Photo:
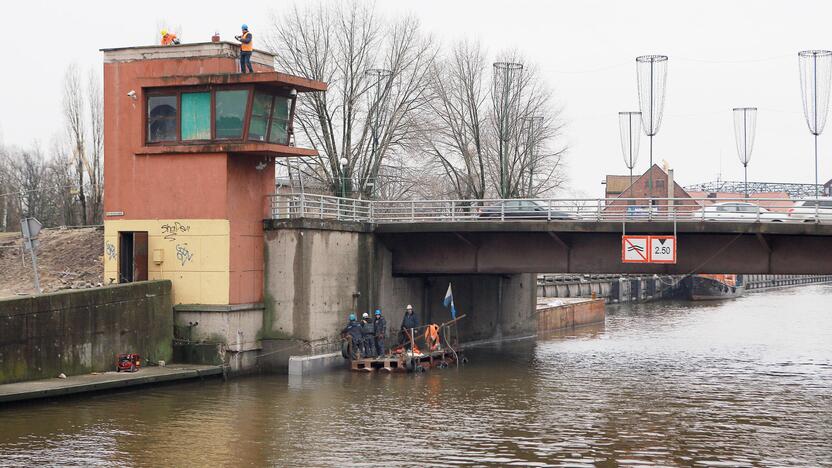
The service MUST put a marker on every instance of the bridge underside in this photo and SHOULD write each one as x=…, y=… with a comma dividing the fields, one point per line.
x=574, y=247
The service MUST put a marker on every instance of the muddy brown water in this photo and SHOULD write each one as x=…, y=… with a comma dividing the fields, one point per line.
x=746, y=382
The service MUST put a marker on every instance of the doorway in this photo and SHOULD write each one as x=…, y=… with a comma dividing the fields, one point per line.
x=132, y=261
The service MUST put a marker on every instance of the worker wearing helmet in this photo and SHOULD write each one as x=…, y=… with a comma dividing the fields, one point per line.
x=367, y=332
x=353, y=339
x=380, y=332
x=169, y=38
x=409, y=321
x=246, y=46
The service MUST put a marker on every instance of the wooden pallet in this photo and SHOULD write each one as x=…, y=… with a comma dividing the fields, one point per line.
x=398, y=363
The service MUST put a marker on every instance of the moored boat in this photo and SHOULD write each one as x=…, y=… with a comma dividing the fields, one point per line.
x=712, y=287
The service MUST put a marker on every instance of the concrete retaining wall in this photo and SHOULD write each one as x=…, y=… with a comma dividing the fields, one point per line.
x=613, y=288
x=81, y=331
x=560, y=315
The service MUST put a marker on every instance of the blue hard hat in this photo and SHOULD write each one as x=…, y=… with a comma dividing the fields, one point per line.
x=245, y=27
x=378, y=311
x=352, y=316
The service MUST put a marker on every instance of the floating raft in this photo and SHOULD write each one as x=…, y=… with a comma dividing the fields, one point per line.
x=406, y=362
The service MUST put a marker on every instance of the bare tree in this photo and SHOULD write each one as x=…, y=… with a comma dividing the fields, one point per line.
x=358, y=120
x=95, y=99
x=76, y=129
x=457, y=138
x=491, y=136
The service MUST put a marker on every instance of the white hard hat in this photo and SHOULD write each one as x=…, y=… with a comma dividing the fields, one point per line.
x=365, y=315
x=409, y=307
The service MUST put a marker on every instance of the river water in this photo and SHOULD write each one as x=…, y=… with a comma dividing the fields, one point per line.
x=745, y=382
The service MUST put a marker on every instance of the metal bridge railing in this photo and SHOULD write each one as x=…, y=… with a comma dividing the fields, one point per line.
x=752, y=210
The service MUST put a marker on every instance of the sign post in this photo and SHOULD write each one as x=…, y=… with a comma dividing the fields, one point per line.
x=30, y=227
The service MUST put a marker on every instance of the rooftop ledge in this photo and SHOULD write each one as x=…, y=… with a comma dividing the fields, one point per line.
x=255, y=148
x=302, y=85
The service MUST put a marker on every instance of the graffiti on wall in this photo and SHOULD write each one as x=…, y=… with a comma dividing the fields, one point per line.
x=111, y=250
x=170, y=231
x=183, y=254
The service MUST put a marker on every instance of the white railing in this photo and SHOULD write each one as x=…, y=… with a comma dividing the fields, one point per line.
x=753, y=210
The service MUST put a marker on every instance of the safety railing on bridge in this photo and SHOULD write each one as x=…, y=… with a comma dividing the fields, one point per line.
x=752, y=210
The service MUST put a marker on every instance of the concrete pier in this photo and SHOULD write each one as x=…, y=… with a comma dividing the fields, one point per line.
x=51, y=388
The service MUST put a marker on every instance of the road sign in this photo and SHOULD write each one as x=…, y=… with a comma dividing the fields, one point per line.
x=30, y=227
x=634, y=249
x=662, y=249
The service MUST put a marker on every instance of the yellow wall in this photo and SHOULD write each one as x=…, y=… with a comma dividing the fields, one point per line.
x=195, y=256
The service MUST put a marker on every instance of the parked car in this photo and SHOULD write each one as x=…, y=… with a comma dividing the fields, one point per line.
x=806, y=210
x=736, y=211
x=522, y=209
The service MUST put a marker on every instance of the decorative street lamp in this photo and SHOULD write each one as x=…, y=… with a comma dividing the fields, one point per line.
x=505, y=97
x=534, y=126
x=629, y=124
x=815, y=73
x=651, y=71
x=344, y=163
x=745, y=123
x=379, y=78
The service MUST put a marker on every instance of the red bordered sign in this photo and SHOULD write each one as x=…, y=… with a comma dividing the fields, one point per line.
x=635, y=249
x=662, y=249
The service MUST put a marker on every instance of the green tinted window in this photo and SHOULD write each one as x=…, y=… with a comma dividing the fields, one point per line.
x=280, y=121
x=161, y=118
x=230, y=113
x=261, y=108
x=196, y=116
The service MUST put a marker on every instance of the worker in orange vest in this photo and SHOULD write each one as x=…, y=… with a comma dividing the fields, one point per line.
x=246, y=46
x=169, y=38
x=432, y=336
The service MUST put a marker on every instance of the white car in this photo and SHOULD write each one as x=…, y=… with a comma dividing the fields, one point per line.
x=736, y=211
x=806, y=210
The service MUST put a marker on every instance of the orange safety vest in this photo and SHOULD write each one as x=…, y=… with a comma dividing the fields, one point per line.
x=432, y=336
x=168, y=39
x=247, y=47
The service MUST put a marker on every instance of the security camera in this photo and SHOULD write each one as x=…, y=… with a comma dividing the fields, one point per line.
x=132, y=94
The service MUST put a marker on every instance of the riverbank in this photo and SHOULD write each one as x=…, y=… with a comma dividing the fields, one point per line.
x=96, y=382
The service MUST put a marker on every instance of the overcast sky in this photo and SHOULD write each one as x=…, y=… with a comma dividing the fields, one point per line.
x=723, y=54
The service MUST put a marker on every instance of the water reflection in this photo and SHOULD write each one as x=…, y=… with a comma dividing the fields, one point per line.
x=740, y=383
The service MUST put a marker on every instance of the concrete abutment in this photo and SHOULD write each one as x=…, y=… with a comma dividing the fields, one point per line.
x=317, y=272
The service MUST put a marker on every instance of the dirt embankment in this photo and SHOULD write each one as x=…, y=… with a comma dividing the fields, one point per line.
x=67, y=258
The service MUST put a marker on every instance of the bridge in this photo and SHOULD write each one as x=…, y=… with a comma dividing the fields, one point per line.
x=441, y=237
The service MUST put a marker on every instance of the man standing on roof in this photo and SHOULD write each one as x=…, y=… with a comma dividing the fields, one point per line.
x=408, y=321
x=246, y=46
x=169, y=38
x=380, y=330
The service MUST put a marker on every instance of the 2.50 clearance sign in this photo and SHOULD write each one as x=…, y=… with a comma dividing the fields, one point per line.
x=648, y=249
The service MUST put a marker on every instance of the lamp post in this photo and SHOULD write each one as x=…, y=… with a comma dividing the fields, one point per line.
x=815, y=74
x=344, y=163
x=380, y=77
x=534, y=127
x=651, y=71
x=506, y=100
x=745, y=124
x=629, y=125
